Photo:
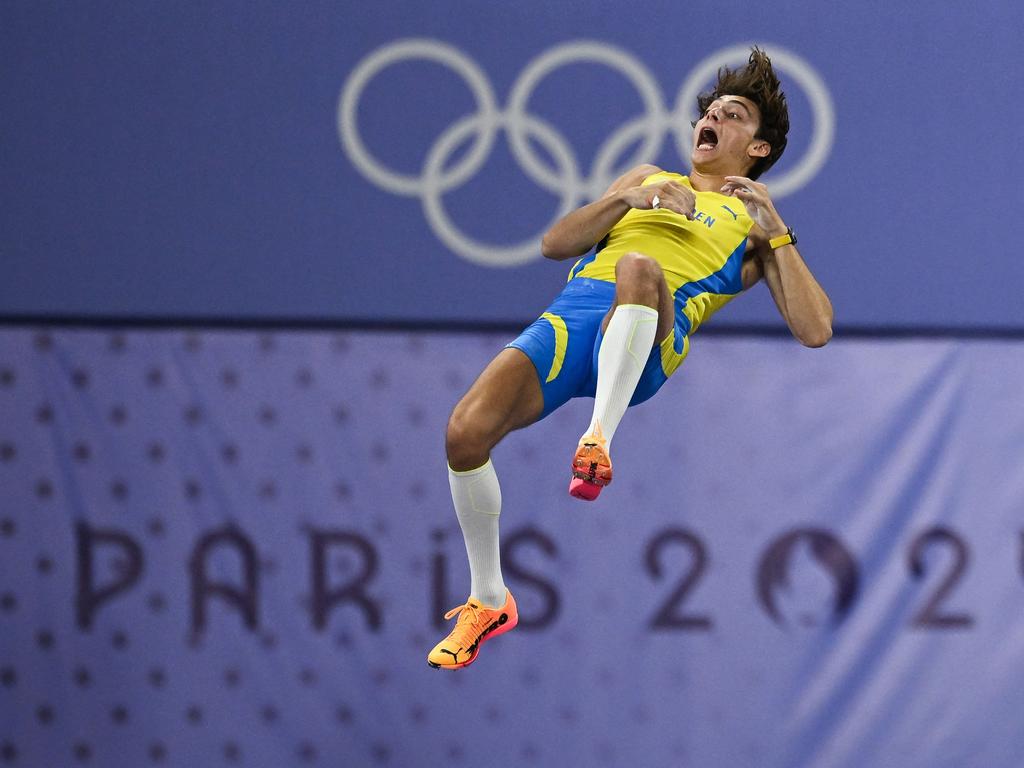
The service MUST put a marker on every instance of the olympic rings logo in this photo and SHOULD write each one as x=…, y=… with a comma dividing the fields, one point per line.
x=565, y=180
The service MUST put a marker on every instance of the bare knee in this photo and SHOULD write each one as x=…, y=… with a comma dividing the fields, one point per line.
x=506, y=396
x=640, y=276
x=467, y=443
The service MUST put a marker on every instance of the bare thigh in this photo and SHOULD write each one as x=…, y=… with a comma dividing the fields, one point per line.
x=506, y=396
x=639, y=279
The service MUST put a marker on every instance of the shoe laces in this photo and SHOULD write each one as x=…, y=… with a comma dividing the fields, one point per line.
x=471, y=619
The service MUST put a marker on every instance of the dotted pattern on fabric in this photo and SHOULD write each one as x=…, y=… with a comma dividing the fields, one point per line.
x=235, y=548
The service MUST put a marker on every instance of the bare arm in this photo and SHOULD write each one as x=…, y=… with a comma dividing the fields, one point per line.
x=801, y=300
x=580, y=230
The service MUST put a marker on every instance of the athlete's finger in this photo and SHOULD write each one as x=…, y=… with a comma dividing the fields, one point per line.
x=683, y=206
x=678, y=191
x=682, y=210
x=681, y=193
x=748, y=190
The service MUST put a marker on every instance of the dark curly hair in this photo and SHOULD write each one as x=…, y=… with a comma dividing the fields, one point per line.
x=758, y=82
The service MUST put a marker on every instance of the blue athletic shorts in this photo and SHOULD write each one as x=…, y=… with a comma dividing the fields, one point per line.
x=564, y=341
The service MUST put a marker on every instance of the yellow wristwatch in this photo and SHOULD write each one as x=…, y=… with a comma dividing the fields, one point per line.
x=787, y=239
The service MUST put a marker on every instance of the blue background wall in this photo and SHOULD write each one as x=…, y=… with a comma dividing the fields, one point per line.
x=186, y=159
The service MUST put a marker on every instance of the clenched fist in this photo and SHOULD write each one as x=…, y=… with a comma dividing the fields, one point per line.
x=671, y=196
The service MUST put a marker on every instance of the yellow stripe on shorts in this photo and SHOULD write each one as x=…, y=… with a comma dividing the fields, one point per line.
x=561, y=342
x=670, y=359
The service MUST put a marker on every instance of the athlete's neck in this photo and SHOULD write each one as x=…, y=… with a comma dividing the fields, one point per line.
x=707, y=182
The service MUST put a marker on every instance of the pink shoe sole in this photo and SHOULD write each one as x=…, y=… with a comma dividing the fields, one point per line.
x=581, y=489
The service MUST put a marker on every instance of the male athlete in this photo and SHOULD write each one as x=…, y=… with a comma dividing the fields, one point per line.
x=670, y=251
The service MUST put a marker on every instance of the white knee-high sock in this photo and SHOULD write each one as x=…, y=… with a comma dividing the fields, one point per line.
x=477, y=499
x=624, y=351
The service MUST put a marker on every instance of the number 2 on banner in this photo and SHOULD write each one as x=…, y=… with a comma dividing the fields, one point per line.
x=929, y=616
x=669, y=616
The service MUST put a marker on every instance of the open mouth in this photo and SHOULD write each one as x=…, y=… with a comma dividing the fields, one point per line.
x=707, y=139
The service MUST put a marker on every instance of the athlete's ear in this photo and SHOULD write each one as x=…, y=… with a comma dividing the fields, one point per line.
x=759, y=148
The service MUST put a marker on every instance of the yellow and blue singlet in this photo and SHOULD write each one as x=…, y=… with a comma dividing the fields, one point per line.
x=701, y=260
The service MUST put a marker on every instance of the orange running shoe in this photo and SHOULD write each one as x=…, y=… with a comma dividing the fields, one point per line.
x=591, y=467
x=477, y=623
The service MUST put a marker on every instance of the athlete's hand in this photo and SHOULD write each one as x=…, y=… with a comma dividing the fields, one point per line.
x=671, y=196
x=755, y=199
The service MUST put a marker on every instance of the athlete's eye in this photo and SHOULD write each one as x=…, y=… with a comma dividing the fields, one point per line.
x=734, y=115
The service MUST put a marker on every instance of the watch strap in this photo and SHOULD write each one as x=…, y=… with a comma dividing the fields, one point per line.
x=789, y=238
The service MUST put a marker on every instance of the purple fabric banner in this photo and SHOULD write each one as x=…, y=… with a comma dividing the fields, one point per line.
x=222, y=548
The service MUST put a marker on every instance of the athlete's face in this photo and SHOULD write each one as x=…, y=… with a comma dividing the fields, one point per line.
x=723, y=139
